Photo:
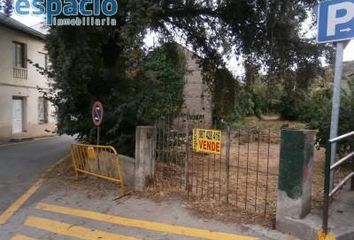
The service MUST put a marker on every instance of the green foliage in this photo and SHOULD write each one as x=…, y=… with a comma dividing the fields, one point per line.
x=247, y=102
x=224, y=94
x=7, y=6
x=158, y=91
x=266, y=96
x=297, y=86
x=109, y=63
x=319, y=115
x=346, y=117
x=291, y=106
x=316, y=104
x=313, y=106
x=234, y=100
x=130, y=98
x=162, y=76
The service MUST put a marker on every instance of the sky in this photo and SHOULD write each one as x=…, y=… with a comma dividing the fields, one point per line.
x=232, y=64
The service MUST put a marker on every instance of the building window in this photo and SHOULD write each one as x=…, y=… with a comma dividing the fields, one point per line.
x=20, y=55
x=42, y=110
x=45, y=60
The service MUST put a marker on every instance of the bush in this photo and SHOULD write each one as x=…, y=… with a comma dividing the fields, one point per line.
x=318, y=116
x=291, y=107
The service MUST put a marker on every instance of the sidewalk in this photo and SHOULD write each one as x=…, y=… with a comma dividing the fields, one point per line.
x=68, y=211
x=17, y=140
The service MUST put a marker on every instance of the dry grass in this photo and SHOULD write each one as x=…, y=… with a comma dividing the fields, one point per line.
x=63, y=177
x=318, y=178
x=274, y=125
x=253, y=181
x=253, y=177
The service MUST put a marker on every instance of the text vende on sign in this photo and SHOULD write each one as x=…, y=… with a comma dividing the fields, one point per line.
x=207, y=141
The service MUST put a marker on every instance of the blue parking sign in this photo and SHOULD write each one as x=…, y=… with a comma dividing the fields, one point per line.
x=335, y=21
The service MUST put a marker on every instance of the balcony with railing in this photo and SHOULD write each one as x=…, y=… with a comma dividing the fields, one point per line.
x=20, y=73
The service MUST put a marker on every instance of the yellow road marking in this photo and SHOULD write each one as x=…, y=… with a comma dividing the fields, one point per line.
x=10, y=211
x=22, y=237
x=72, y=230
x=153, y=226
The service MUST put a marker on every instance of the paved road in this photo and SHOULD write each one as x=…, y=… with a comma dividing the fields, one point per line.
x=60, y=211
x=21, y=164
x=67, y=209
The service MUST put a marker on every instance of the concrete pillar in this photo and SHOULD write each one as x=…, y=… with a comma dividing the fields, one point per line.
x=145, y=145
x=295, y=173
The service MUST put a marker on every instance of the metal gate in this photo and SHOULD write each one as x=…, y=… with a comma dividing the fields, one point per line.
x=243, y=175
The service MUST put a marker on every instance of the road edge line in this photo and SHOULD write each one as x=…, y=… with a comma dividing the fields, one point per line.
x=153, y=226
x=70, y=230
x=18, y=203
x=22, y=237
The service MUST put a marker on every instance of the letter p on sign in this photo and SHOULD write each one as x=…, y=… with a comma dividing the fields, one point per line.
x=335, y=21
x=335, y=18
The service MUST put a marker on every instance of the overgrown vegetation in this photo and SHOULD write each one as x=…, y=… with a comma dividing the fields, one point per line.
x=311, y=105
x=319, y=115
x=130, y=98
x=110, y=63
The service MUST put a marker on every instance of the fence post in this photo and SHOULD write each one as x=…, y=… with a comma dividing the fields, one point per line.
x=145, y=144
x=186, y=164
x=327, y=186
x=295, y=174
x=228, y=148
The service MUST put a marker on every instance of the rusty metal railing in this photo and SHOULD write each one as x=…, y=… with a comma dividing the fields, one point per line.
x=328, y=192
x=99, y=161
x=244, y=175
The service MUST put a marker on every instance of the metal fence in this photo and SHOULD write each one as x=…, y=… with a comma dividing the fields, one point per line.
x=99, y=161
x=244, y=175
x=331, y=168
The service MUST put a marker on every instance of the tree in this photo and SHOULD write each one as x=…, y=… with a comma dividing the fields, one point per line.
x=107, y=63
x=318, y=111
x=224, y=95
x=8, y=7
x=133, y=97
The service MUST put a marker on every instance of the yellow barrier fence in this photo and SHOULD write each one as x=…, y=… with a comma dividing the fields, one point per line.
x=99, y=161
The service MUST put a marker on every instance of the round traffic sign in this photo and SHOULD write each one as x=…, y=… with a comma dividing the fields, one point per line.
x=97, y=113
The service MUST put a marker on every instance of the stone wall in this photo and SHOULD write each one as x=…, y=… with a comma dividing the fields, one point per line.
x=197, y=97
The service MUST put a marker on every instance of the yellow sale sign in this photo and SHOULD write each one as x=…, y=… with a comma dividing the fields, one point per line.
x=207, y=141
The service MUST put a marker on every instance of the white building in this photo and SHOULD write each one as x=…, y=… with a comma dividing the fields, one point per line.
x=24, y=113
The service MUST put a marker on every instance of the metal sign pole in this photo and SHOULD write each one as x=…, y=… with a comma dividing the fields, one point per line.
x=336, y=101
x=98, y=135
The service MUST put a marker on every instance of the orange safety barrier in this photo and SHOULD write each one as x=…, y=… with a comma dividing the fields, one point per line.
x=99, y=161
